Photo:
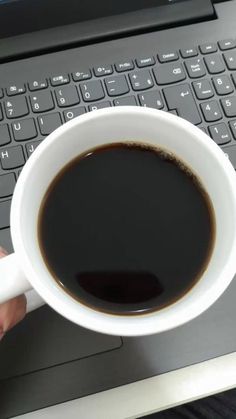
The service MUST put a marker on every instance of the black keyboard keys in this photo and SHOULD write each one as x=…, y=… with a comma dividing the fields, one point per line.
x=116, y=86
x=220, y=133
x=211, y=111
x=203, y=89
x=5, y=214
x=124, y=66
x=215, y=64
x=189, y=52
x=125, y=101
x=12, y=157
x=31, y=147
x=72, y=113
x=38, y=84
x=229, y=106
x=230, y=59
x=92, y=90
x=48, y=123
x=145, y=61
x=67, y=96
x=82, y=75
x=24, y=129
x=151, y=99
x=141, y=80
x=15, y=89
x=208, y=48
x=169, y=73
x=181, y=98
x=195, y=68
x=60, y=79
x=41, y=101
x=103, y=70
x=223, y=85
x=168, y=56
x=100, y=105
x=16, y=107
x=227, y=44
x=7, y=185
x=4, y=135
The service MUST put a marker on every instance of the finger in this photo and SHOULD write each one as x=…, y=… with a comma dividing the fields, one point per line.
x=13, y=310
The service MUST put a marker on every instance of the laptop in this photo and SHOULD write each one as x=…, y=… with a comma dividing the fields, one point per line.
x=52, y=54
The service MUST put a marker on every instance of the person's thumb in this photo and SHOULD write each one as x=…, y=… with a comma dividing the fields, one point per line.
x=13, y=310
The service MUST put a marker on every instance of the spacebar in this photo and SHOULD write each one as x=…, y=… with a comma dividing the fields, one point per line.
x=181, y=98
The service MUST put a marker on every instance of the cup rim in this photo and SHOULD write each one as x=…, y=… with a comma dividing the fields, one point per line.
x=227, y=273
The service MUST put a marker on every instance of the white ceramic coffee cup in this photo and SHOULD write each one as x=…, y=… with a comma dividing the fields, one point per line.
x=25, y=269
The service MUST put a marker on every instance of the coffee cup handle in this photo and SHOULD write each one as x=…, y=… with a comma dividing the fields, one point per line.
x=14, y=283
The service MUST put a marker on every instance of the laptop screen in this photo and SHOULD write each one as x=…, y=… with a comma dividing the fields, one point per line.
x=22, y=16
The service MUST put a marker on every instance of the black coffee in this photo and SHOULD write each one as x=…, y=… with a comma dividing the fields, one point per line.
x=126, y=229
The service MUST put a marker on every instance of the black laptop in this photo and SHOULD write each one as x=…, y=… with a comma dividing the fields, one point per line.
x=51, y=53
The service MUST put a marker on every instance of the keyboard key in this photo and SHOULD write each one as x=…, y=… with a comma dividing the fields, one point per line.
x=151, y=100
x=48, y=123
x=141, y=80
x=189, y=52
x=103, y=70
x=12, y=157
x=195, y=68
x=211, y=111
x=203, y=89
x=15, y=89
x=41, y=102
x=227, y=44
x=59, y=79
x=145, y=62
x=208, y=48
x=4, y=135
x=169, y=73
x=125, y=101
x=31, y=147
x=116, y=85
x=16, y=107
x=82, y=75
x=230, y=59
x=5, y=214
x=220, y=133
x=232, y=125
x=92, y=90
x=67, y=96
x=215, y=64
x=223, y=85
x=24, y=129
x=124, y=66
x=229, y=106
x=7, y=185
x=230, y=152
x=181, y=98
x=72, y=113
x=38, y=84
x=100, y=105
x=165, y=57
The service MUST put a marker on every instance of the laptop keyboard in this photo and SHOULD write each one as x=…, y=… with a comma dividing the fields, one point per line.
x=197, y=83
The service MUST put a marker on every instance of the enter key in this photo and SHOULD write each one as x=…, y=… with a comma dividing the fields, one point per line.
x=181, y=98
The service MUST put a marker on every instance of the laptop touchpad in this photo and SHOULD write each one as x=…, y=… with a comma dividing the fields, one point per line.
x=45, y=339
